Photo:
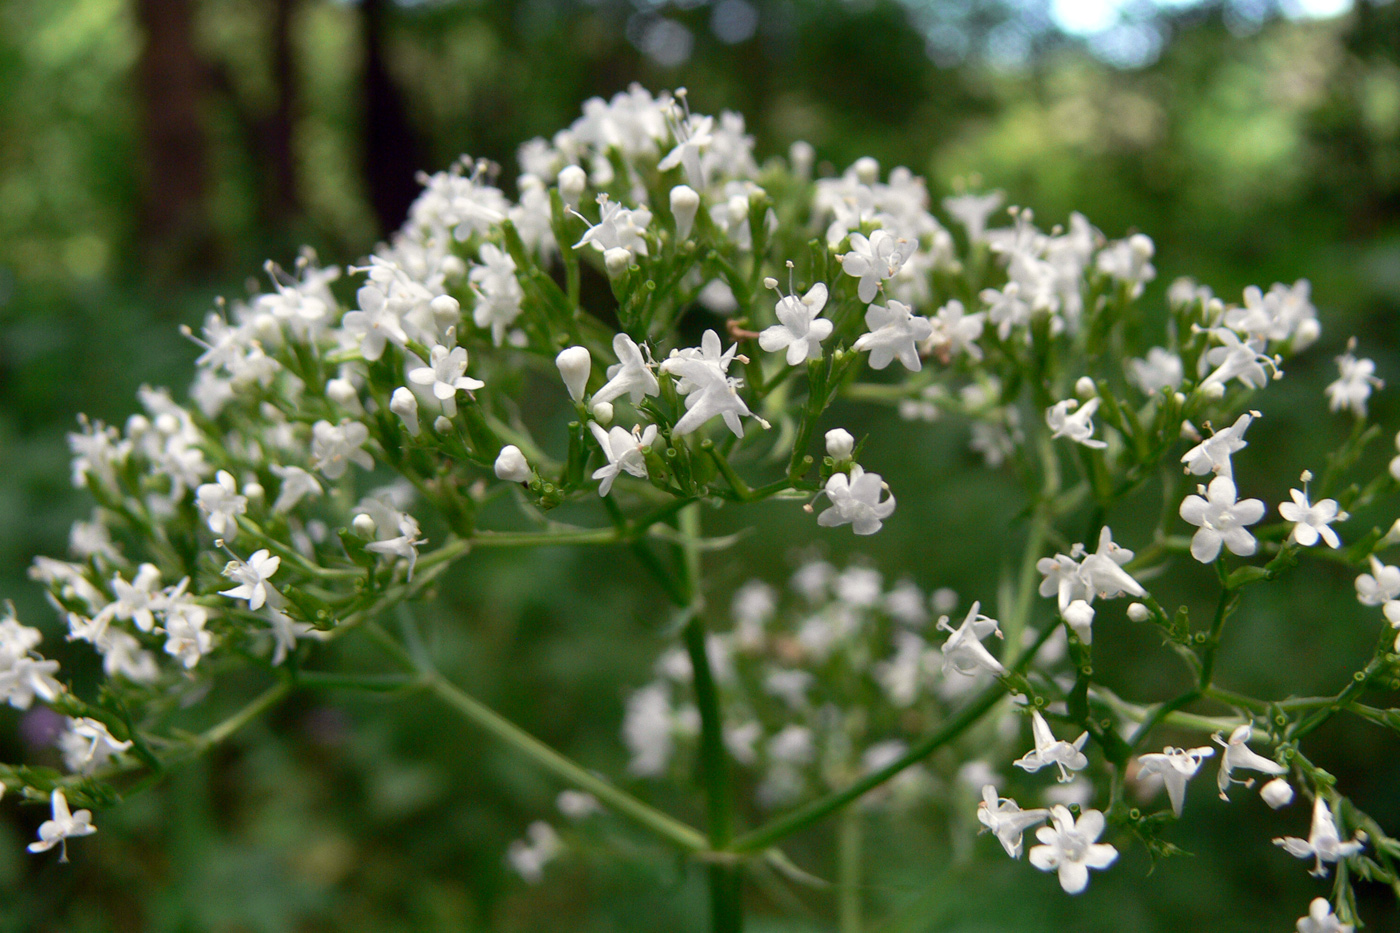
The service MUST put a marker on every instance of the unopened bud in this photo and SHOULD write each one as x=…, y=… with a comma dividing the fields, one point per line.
x=442, y=424
x=867, y=170
x=1277, y=793
x=512, y=466
x=1084, y=388
x=802, y=156
x=574, y=366
x=254, y=490
x=617, y=260
x=1137, y=612
x=343, y=393
x=603, y=412
x=1307, y=332
x=405, y=404
x=572, y=181
x=685, y=202
x=840, y=444
x=446, y=310
x=364, y=525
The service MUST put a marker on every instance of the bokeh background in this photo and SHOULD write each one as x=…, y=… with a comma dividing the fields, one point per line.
x=153, y=153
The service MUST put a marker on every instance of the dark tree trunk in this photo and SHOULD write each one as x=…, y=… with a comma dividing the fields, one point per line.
x=392, y=155
x=282, y=201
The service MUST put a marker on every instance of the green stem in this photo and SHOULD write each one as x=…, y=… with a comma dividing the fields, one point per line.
x=848, y=865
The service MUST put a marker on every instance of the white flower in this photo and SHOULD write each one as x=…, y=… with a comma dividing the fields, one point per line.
x=221, y=502
x=297, y=484
x=1236, y=359
x=855, y=500
x=623, y=449
x=895, y=332
x=404, y=545
x=1049, y=750
x=1353, y=386
x=335, y=447
x=251, y=577
x=87, y=745
x=1311, y=521
x=1221, y=520
x=1006, y=819
x=529, y=856
x=873, y=260
x=285, y=632
x=1069, y=846
x=575, y=365
x=1212, y=455
x=617, y=228
x=1160, y=370
x=1102, y=571
x=500, y=294
x=964, y=651
x=1239, y=755
x=1277, y=793
x=799, y=330
x=137, y=600
x=1127, y=261
x=1323, y=843
x=632, y=376
x=63, y=825
x=972, y=211
x=685, y=204
x=1077, y=427
x=405, y=404
x=955, y=331
x=446, y=374
x=1320, y=919
x=1176, y=766
x=701, y=377
x=185, y=637
x=377, y=322
x=512, y=466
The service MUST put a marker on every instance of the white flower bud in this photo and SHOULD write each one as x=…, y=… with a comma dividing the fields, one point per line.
x=867, y=170
x=447, y=311
x=802, y=156
x=405, y=404
x=685, y=202
x=511, y=465
x=840, y=444
x=1392, y=537
x=343, y=393
x=943, y=600
x=1308, y=331
x=574, y=366
x=1213, y=390
x=364, y=526
x=1084, y=388
x=254, y=490
x=442, y=424
x=617, y=260
x=453, y=267
x=1137, y=612
x=603, y=413
x=1277, y=793
x=572, y=181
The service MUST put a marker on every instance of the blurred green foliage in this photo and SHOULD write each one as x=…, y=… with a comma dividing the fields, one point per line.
x=1248, y=158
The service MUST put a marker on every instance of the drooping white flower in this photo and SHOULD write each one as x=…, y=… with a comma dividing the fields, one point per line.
x=1221, y=520
x=1311, y=521
x=297, y=484
x=1353, y=385
x=335, y=447
x=895, y=332
x=623, y=448
x=62, y=827
x=1212, y=455
x=1320, y=919
x=1239, y=756
x=1050, y=750
x=221, y=502
x=874, y=260
x=87, y=745
x=1176, y=766
x=799, y=329
x=252, y=576
x=1069, y=846
x=964, y=651
x=631, y=376
x=1323, y=844
x=855, y=500
x=1077, y=427
x=1004, y=817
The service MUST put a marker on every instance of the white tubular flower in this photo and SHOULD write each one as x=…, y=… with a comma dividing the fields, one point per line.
x=1077, y=427
x=1323, y=843
x=1236, y=359
x=895, y=332
x=874, y=260
x=63, y=826
x=1221, y=520
x=575, y=364
x=1212, y=455
x=632, y=376
x=701, y=376
x=185, y=637
x=1353, y=386
x=405, y=404
x=964, y=651
x=1050, y=750
x=1004, y=817
x=685, y=204
x=335, y=447
x=252, y=576
x=404, y=544
x=512, y=466
x=955, y=331
x=1102, y=571
x=799, y=330
x=446, y=374
x=617, y=228
x=297, y=484
x=1239, y=756
x=623, y=448
x=87, y=745
x=285, y=632
x=855, y=500
x=1176, y=766
x=1320, y=919
x=1312, y=521
x=221, y=502
x=1069, y=847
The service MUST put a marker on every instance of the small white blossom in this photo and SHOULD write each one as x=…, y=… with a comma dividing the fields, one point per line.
x=1212, y=455
x=404, y=544
x=685, y=204
x=252, y=576
x=529, y=856
x=840, y=444
x=874, y=260
x=623, y=448
x=1323, y=843
x=1070, y=847
x=855, y=500
x=405, y=404
x=574, y=365
x=62, y=827
x=799, y=329
x=1003, y=817
x=895, y=333
x=446, y=374
x=1050, y=750
x=221, y=502
x=1312, y=521
x=1353, y=386
x=1160, y=370
x=1238, y=755
x=632, y=376
x=617, y=228
x=1176, y=766
x=973, y=211
x=964, y=651
x=1077, y=427
x=87, y=745
x=1320, y=919
x=335, y=447
x=297, y=484
x=1277, y=793
x=701, y=376
x=1221, y=520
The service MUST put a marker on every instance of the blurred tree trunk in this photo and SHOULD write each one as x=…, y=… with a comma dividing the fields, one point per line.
x=392, y=153
x=282, y=202
x=175, y=230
